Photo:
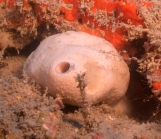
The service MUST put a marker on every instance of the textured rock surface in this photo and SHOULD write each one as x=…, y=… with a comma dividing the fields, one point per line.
x=60, y=58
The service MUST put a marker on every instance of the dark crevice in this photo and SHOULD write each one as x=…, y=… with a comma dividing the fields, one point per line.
x=135, y=48
x=145, y=106
x=80, y=20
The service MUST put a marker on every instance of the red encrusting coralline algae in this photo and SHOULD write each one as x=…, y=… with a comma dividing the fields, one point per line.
x=98, y=17
x=92, y=17
x=156, y=85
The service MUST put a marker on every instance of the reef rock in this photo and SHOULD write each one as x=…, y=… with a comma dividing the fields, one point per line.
x=60, y=58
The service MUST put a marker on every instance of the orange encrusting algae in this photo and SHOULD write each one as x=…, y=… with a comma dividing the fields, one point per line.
x=157, y=85
x=123, y=11
x=98, y=17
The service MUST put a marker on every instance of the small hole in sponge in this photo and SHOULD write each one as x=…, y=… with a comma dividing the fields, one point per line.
x=62, y=67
